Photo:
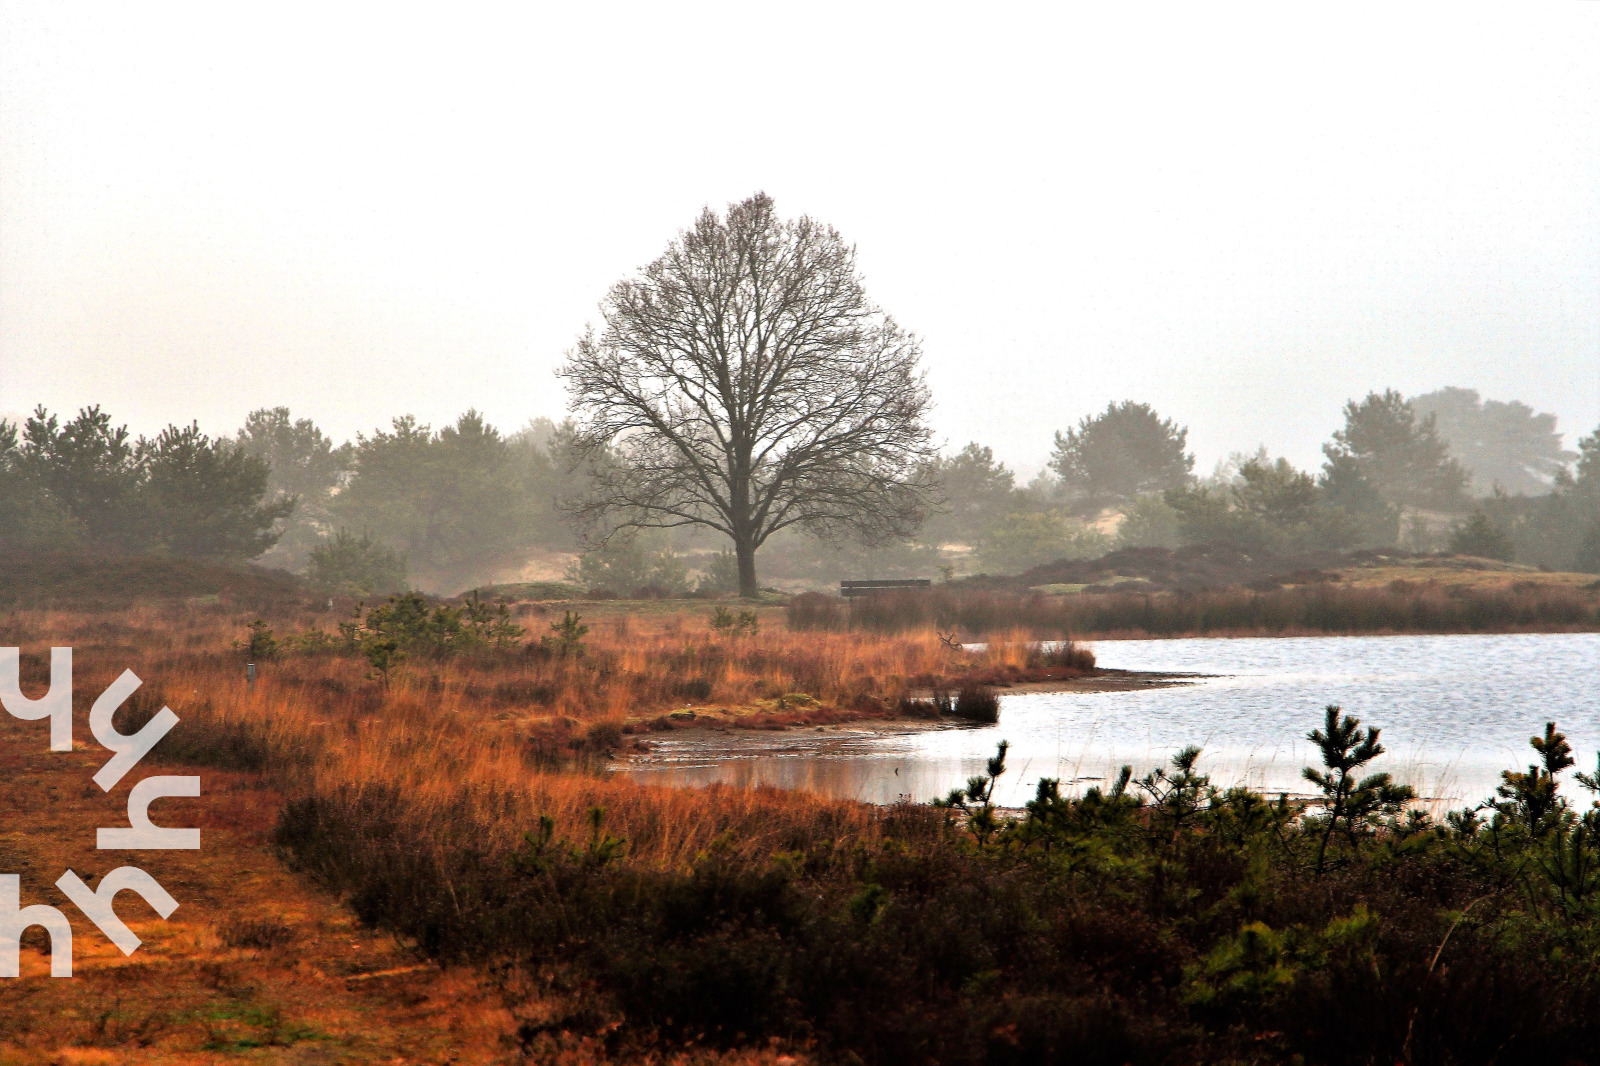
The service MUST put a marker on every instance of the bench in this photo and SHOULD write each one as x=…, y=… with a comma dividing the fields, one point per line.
x=867, y=588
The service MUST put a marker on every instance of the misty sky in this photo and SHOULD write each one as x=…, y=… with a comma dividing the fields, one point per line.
x=1243, y=215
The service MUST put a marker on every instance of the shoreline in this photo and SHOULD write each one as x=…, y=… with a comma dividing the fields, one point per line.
x=703, y=720
x=1301, y=632
x=1107, y=679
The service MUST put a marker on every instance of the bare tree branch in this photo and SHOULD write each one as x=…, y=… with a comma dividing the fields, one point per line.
x=744, y=382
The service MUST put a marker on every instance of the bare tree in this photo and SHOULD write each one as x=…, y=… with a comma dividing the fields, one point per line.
x=744, y=382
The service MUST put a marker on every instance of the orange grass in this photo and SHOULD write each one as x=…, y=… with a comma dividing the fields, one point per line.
x=319, y=989
x=465, y=729
x=451, y=745
x=633, y=671
x=446, y=738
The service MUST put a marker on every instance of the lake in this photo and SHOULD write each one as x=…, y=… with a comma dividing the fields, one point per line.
x=1454, y=710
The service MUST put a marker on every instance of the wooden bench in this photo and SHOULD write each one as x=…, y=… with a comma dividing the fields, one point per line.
x=867, y=588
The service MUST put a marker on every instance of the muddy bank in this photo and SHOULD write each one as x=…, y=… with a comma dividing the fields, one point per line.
x=803, y=713
x=1103, y=680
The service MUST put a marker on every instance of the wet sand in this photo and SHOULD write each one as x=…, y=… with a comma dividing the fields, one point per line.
x=1106, y=681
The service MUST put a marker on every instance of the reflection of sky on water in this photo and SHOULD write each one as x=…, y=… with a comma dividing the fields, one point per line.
x=1455, y=711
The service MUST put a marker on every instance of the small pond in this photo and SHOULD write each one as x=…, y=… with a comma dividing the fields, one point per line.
x=1455, y=711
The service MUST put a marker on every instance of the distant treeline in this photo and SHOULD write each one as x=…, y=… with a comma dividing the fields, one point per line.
x=1500, y=486
x=443, y=508
x=465, y=504
x=86, y=482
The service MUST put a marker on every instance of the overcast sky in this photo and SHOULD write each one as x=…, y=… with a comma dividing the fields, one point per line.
x=1244, y=215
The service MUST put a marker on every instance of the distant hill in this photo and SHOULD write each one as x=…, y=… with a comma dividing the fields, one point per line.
x=80, y=582
x=527, y=590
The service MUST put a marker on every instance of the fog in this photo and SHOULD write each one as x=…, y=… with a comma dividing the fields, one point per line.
x=1243, y=215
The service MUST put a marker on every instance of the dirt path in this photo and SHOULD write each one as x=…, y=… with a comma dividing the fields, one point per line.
x=253, y=965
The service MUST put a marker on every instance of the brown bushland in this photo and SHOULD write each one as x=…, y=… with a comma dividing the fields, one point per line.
x=253, y=959
x=455, y=823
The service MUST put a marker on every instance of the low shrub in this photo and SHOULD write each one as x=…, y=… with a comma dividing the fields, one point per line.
x=603, y=737
x=207, y=739
x=1062, y=654
x=976, y=703
x=262, y=934
x=1158, y=921
x=812, y=611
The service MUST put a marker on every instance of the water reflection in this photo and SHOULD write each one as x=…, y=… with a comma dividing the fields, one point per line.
x=1455, y=711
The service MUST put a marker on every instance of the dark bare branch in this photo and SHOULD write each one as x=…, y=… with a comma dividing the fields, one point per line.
x=744, y=382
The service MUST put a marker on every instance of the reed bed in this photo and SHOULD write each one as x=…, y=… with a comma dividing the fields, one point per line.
x=1319, y=609
x=503, y=738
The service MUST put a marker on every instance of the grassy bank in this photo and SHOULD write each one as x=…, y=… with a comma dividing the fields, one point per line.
x=565, y=678
x=109, y=582
x=1169, y=923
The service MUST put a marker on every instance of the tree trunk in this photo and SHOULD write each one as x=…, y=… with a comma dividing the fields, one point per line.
x=744, y=550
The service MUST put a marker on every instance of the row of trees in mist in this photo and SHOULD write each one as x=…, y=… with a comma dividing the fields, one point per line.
x=743, y=394
x=86, y=481
x=458, y=506
x=443, y=508
x=1390, y=476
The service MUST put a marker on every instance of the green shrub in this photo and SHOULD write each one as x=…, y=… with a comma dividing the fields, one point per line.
x=261, y=644
x=640, y=564
x=1153, y=922
x=1019, y=542
x=356, y=566
x=566, y=636
x=1479, y=536
x=743, y=624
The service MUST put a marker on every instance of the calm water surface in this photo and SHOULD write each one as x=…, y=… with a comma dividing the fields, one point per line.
x=1455, y=711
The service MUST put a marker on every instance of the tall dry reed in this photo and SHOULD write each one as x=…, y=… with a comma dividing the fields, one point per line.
x=1325, y=608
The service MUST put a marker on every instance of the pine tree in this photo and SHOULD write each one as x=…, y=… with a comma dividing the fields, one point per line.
x=1351, y=802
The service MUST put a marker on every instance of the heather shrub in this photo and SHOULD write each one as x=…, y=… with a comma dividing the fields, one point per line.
x=976, y=703
x=1148, y=921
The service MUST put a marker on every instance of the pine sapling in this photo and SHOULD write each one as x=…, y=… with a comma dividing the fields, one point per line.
x=977, y=799
x=1530, y=799
x=1177, y=795
x=1351, y=801
x=567, y=635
